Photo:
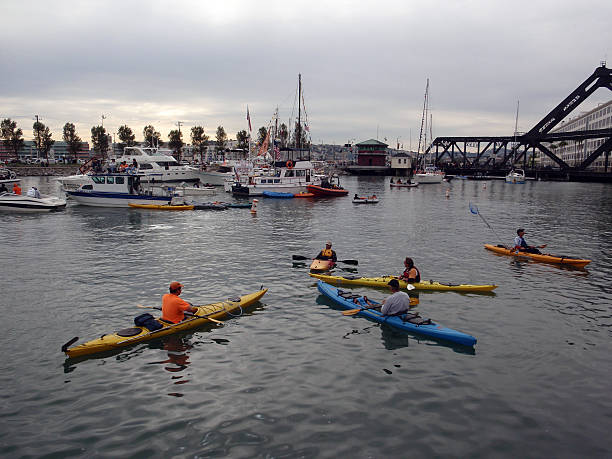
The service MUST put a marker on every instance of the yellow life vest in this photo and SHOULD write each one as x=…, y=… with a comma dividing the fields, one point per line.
x=327, y=252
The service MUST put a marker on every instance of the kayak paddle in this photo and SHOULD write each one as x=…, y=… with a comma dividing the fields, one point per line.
x=475, y=211
x=186, y=313
x=348, y=262
x=352, y=312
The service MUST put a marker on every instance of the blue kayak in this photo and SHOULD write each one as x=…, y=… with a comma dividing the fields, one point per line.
x=277, y=194
x=408, y=322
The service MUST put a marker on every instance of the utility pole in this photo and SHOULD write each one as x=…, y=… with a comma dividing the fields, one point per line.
x=180, y=152
x=37, y=138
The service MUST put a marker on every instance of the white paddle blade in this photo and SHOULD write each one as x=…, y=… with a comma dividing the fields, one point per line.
x=410, y=287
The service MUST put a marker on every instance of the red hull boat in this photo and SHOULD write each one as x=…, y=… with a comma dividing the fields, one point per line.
x=320, y=191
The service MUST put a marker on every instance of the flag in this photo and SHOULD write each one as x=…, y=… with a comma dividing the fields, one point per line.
x=277, y=152
x=249, y=119
x=264, y=145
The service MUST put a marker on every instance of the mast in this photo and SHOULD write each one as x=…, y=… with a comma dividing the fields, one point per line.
x=423, y=121
x=515, y=146
x=298, y=143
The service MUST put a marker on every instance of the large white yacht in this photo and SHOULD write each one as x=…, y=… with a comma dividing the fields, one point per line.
x=156, y=165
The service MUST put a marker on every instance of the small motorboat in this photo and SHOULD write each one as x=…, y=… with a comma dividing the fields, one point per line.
x=399, y=184
x=365, y=200
x=319, y=266
x=328, y=187
x=24, y=203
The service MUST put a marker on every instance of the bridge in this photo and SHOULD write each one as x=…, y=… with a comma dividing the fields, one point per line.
x=514, y=150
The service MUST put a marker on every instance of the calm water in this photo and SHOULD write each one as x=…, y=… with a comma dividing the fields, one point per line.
x=294, y=377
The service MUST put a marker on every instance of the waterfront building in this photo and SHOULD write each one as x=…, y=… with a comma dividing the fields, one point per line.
x=401, y=164
x=29, y=152
x=572, y=152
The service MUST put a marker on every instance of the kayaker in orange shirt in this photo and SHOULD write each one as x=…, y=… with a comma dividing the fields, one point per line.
x=173, y=307
x=16, y=189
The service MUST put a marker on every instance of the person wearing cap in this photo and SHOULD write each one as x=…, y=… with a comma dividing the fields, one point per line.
x=396, y=303
x=174, y=307
x=411, y=274
x=16, y=188
x=522, y=246
x=327, y=253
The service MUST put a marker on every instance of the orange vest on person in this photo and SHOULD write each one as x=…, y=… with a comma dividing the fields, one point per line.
x=16, y=189
x=327, y=252
x=173, y=308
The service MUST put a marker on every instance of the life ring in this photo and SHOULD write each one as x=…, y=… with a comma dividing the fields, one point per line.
x=289, y=164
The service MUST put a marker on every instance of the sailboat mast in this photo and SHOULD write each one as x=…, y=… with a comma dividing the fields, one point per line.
x=298, y=143
x=515, y=146
x=423, y=119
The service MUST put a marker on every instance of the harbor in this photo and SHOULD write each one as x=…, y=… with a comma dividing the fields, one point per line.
x=291, y=374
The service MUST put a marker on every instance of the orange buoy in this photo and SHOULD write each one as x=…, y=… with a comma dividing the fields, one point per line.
x=254, y=206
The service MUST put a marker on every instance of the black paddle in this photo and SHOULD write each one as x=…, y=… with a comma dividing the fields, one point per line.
x=348, y=262
x=69, y=343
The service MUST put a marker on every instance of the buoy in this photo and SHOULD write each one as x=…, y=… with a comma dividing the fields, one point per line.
x=254, y=206
x=447, y=194
x=484, y=186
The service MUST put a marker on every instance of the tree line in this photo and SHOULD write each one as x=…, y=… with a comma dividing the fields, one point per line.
x=101, y=140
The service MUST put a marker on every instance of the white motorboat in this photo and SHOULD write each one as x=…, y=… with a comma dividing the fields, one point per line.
x=516, y=176
x=216, y=174
x=288, y=178
x=119, y=190
x=156, y=165
x=24, y=203
x=184, y=190
x=430, y=174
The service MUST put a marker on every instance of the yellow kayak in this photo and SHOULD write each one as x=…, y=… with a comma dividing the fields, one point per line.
x=161, y=207
x=384, y=280
x=544, y=257
x=133, y=335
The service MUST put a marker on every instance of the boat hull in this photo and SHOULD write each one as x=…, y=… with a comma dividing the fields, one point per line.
x=383, y=281
x=162, y=207
x=277, y=195
x=320, y=191
x=319, y=266
x=10, y=202
x=404, y=185
x=428, y=178
x=102, y=199
x=113, y=341
x=433, y=330
x=544, y=258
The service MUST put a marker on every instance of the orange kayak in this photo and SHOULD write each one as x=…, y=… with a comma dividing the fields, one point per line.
x=318, y=266
x=544, y=257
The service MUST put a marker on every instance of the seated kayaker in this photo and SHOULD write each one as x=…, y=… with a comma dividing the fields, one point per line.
x=522, y=246
x=327, y=253
x=411, y=274
x=396, y=303
x=173, y=307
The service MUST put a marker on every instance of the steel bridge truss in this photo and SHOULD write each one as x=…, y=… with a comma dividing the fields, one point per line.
x=516, y=148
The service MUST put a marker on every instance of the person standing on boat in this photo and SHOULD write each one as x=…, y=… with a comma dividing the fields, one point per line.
x=3, y=188
x=411, y=274
x=396, y=303
x=16, y=188
x=327, y=253
x=173, y=307
x=522, y=246
x=33, y=193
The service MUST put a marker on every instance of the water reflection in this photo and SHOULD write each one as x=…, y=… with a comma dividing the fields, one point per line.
x=178, y=348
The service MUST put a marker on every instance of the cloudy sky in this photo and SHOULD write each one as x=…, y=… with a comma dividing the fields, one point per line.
x=364, y=64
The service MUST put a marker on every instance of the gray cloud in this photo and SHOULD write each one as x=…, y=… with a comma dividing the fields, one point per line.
x=364, y=66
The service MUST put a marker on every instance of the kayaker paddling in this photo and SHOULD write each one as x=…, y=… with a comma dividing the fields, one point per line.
x=522, y=246
x=327, y=253
x=396, y=303
x=174, y=307
x=411, y=273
